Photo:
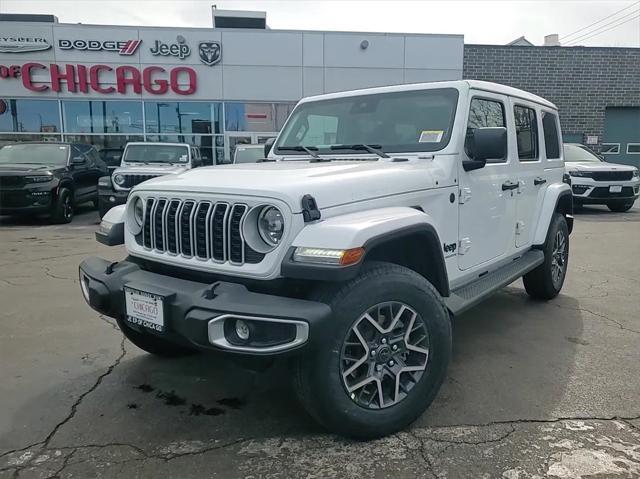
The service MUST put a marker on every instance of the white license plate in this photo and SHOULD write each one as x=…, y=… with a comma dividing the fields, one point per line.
x=144, y=309
x=615, y=189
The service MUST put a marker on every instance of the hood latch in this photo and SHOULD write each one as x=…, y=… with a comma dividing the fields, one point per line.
x=310, y=211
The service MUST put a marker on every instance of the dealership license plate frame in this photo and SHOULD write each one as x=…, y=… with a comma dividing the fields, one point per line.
x=153, y=320
x=615, y=189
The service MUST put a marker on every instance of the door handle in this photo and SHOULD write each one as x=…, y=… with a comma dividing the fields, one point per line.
x=509, y=185
x=539, y=181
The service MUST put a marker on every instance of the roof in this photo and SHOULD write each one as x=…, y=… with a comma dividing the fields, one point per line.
x=521, y=42
x=457, y=84
x=163, y=143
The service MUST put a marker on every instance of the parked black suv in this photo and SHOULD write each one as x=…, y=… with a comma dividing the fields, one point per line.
x=48, y=178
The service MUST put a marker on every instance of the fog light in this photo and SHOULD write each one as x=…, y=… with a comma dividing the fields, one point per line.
x=242, y=330
x=112, y=199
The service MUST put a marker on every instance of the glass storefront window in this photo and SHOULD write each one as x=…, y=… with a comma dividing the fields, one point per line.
x=266, y=117
x=102, y=116
x=183, y=117
x=211, y=146
x=110, y=147
x=37, y=116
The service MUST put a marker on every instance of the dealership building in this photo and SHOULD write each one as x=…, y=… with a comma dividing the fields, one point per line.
x=237, y=81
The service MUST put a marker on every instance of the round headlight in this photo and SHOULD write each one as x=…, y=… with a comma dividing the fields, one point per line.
x=138, y=211
x=118, y=179
x=271, y=225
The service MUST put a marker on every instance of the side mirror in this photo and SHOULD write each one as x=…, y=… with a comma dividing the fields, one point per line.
x=487, y=143
x=268, y=145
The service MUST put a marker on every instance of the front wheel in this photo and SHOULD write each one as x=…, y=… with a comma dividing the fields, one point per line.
x=620, y=207
x=63, y=207
x=384, y=359
x=545, y=281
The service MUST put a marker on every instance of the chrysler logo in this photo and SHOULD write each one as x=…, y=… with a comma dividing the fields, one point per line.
x=210, y=52
x=23, y=44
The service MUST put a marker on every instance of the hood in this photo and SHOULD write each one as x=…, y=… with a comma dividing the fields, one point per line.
x=331, y=183
x=150, y=169
x=20, y=169
x=596, y=166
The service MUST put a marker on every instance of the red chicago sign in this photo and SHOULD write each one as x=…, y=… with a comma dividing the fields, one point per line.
x=83, y=79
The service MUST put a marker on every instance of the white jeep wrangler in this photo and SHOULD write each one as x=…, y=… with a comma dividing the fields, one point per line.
x=377, y=216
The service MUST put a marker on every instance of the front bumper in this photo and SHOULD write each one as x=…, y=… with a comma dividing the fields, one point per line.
x=25, y=201
x=197, y=313
x=588, y=191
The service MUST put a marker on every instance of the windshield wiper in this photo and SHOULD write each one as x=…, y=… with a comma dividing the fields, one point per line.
x=307, y=149
x=375, y=149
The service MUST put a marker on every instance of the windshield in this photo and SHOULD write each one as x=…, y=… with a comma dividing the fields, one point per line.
x=248, y=155
x=156, y=154
x=408, y=121
x=578, y=153
x=39, y=154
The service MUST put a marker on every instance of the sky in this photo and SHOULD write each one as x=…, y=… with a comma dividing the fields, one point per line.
x=489, y=22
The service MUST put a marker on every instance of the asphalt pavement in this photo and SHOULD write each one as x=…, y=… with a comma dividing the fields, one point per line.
x=534, y=389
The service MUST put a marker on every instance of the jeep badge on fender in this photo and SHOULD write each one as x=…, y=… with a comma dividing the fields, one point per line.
x=344, y=252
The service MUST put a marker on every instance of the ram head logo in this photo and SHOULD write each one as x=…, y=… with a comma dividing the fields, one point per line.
x=210, y=52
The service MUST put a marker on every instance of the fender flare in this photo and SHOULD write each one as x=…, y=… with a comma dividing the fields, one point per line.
x=367, y=229
x=556, y=198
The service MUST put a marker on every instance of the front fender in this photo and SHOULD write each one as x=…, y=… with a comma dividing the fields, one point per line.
x=555, y=195
x=354, y=230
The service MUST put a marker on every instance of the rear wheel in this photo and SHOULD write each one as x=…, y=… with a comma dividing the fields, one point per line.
x=545, y=281
x=153, y=344
x=385, y=358
x=63, y=207
x=620, y=206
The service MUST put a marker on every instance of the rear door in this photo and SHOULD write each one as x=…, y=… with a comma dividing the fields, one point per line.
x=529, y=168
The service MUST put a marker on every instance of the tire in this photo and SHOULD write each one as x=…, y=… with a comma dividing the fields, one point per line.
x=153, y=344
x=318, y=377
x=103, y=207
x=63, y=207
x=620, y=207
x=96, y=203
x=545, y=281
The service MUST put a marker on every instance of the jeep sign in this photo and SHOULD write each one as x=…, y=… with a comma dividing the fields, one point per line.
x=180, y=49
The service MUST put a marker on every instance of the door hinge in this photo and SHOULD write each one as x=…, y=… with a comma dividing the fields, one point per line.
x=464, y=196
x=465, y=245
x=519, y=227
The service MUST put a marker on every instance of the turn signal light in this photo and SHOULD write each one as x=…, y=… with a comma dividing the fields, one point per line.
x=341, y=257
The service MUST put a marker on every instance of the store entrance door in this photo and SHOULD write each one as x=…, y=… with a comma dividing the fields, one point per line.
x=244, y=138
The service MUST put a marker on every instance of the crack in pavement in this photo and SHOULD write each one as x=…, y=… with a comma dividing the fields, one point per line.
x=72, y=412
x=422, y=451
x=47, y=272
x=475, y=443
x=48, y=258
x=598, y=315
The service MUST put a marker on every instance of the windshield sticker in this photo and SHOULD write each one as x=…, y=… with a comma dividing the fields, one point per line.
x=431, y=136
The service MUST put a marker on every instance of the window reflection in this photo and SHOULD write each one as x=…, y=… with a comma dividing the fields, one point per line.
x=183, y=117
x=259, y=117
x=211, y=147
x=29, y=116
x=102, y=116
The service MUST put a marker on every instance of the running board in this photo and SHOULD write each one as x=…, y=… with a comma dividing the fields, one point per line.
x=472, y=293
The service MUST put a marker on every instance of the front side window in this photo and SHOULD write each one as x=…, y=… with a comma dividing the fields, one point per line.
x=526, y=133
x=483, y=113
x=156, y=154
x=408, y=121
x=550, y=130
x=35, y=153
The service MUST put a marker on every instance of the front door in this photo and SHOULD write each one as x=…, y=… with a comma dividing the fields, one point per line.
x=487, y=199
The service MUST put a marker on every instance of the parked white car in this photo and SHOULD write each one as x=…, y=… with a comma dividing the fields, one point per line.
x=378, y=216
x=597, y=182
x=248, y=153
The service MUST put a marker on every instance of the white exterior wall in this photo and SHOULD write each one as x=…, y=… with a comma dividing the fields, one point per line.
x=256, y=65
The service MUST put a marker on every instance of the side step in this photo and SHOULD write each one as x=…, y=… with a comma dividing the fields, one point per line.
x=472, y=293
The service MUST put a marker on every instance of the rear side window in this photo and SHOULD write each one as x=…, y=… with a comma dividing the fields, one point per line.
x=526, y=132
x=483, y=113
x=550, y=131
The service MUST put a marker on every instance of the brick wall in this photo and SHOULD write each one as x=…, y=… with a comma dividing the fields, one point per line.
x=581, y=81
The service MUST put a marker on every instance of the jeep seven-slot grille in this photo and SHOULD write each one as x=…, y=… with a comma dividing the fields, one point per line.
x=202, y=229
x=131, y=179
